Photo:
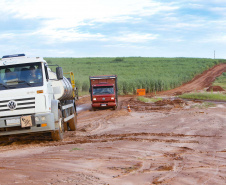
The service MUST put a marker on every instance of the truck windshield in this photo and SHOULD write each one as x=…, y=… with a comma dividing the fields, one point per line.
x=21, y=76
x=103, y=90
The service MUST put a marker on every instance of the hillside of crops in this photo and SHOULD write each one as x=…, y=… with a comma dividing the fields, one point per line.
x=152, y=74
x=221, y=81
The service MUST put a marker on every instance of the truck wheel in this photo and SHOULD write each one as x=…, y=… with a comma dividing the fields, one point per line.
x=58, y=135
x=66, y=126
x=73, y=123
x=115, y=107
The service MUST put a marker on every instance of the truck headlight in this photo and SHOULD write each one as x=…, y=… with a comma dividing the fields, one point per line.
x=43, y=118
x=94, y=99
x=112, y=98
x=36, y=119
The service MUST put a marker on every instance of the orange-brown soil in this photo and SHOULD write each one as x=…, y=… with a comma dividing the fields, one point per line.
x=215, y=89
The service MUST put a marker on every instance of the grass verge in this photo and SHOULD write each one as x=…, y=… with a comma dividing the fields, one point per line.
x=204, y=96
x=204, y=105
x=221, y=81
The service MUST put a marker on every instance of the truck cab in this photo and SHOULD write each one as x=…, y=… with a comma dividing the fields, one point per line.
x=103, y=91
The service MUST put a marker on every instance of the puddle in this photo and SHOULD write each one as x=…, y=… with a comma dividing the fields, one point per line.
x=83, y=107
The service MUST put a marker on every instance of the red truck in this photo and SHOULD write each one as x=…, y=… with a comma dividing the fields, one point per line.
x=104, y=91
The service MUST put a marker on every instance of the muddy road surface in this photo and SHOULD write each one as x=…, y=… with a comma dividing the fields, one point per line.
x=178, y=143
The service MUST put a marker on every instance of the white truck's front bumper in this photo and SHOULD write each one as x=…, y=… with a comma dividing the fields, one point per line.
x=40, y=123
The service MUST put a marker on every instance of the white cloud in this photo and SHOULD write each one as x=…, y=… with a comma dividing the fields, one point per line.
x=71, y=13
x=67, y=35
x=71, y=35
x=188, y=25
x=7, y=36
x=218, y=10
x=136, y=24
x=135, y=37
x=131, y=45
x=220, y=38
x=59, y=19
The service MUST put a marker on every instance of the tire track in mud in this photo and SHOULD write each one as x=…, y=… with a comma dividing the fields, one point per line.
x=211, y=167
x=138, y=137
x=177, y=166
x=167, y=167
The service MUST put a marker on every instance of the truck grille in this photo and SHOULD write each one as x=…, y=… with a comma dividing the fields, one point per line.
x=20, y=104
x=13, y=129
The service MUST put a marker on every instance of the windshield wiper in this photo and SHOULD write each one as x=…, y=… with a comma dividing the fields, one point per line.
x=3, y=85
x=19, y=81
x=23, y=81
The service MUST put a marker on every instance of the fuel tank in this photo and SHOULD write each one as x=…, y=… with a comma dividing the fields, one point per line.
x=62, y=89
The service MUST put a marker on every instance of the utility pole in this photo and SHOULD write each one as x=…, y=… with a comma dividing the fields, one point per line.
x=214, y=54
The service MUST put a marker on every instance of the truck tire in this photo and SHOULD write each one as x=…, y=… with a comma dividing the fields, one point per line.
x=66, y=128
x=76, y=94
x=58, y=135
x=73, y=123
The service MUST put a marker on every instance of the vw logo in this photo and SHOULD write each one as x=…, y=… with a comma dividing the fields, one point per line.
x=103, y=98
x=12, y=105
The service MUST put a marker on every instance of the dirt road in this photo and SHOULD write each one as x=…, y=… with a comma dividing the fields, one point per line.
x=177, y=146
x=200, y=81
x=173, y=142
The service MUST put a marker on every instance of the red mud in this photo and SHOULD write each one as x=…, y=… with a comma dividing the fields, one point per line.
x=215, y=89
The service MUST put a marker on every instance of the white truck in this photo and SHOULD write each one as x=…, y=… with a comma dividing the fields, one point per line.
x=35, y=99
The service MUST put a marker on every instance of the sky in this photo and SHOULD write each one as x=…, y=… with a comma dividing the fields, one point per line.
x=113, y=28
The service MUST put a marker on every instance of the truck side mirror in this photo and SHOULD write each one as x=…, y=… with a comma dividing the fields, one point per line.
x=59, y=73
